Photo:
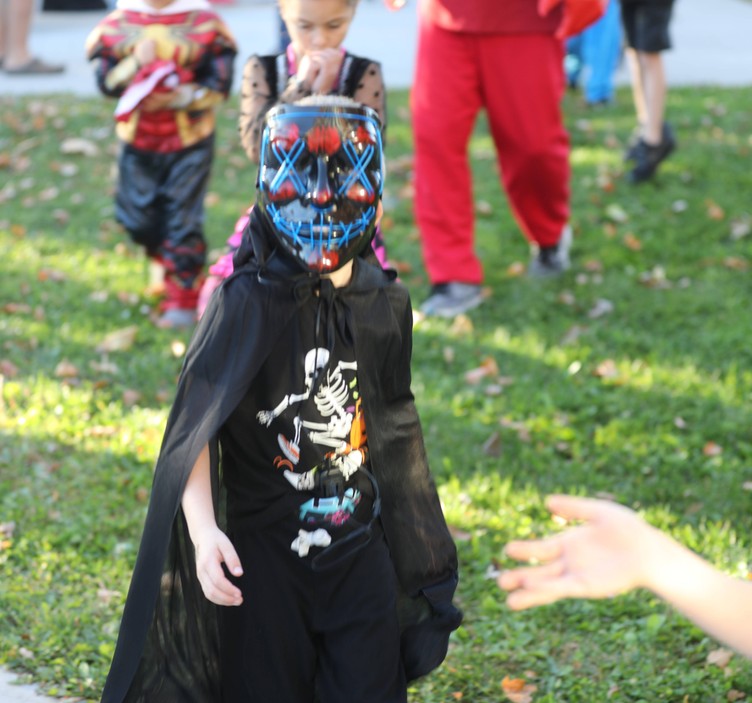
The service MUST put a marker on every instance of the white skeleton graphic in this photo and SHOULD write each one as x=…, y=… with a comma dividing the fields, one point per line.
x=305, y=540
x=331, y=398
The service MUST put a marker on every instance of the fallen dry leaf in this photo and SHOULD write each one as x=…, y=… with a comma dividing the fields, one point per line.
x=720, y=657
x=712, y=449
x=65, y=369
x=714, y=210
x=593, y=266
x=734, y=695
x=118, y=340
x=492, y=446
x=740, y=228
x=131, y=397
x=488, y=367
x=483, y=208
x=616, y=213
x=516, y=269
x=50, y=275
x=8, y=368
x=602, y=307
x=517, y=691
x=606, y=369
x=736, y=263
x=572, y=334
x=679, y=206
x=79, y=145
x=105, y=595
x=461, y=325
x=17, y=308
x=510, y=685
x=655, y=278
x=632, y=242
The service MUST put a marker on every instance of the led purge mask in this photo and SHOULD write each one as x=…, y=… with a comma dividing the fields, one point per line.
x=320, y=180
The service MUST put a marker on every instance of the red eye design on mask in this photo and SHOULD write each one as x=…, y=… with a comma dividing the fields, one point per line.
x=286, y=191
x=323, y=140
x=363, y=136
x=358, y=193
x=285, y=136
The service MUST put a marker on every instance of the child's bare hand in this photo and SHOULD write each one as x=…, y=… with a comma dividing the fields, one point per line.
x=605, y=556
x=159, y=101
x=327, y=64
x=145, y=51
x=213, y=548
x=318, y=70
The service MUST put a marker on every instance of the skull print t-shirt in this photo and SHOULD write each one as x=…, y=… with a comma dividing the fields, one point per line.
x=294, y=451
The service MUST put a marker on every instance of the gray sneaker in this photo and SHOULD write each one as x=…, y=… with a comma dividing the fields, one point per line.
x=551, y=261
x=452, y=299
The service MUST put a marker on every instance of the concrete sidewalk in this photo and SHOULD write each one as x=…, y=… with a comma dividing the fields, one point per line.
x=712, y=46
x=711, y=39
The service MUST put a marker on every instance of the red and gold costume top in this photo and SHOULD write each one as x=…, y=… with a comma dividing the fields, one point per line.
x=186, y=32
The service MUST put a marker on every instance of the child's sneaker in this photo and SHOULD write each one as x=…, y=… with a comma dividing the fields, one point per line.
x=648, y=157
x=551, y=261
x=452, y=299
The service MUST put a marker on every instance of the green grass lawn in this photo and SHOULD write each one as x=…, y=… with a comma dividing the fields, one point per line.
x=630, y=376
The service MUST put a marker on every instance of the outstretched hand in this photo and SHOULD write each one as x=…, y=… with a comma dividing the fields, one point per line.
x=578, y=14
x=601, y=558
x=213, y=548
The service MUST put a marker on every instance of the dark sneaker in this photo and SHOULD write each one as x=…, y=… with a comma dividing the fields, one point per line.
x=452, y=299
x=551, y=261
x=648, y=159
x=636, y=143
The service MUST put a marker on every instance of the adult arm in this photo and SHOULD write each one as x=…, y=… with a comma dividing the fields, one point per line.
x=614, y=551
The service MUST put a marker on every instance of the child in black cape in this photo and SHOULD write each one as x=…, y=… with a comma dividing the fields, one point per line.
x=293, y=460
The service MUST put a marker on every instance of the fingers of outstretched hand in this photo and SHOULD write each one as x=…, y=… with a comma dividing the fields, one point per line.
x=541, y=585
x=540, y=549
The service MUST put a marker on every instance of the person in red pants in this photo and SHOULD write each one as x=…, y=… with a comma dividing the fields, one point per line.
x=505, y=56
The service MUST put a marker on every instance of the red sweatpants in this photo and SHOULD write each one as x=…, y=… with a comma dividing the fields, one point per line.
x=519, y=80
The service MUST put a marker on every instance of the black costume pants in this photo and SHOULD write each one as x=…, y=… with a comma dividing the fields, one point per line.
x=160, y=201
x=304, y=635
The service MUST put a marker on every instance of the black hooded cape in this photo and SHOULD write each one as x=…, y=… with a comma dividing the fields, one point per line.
x=167, y=648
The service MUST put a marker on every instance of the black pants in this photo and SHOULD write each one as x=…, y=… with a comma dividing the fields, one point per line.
x=304, y=635
x=160, y=201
